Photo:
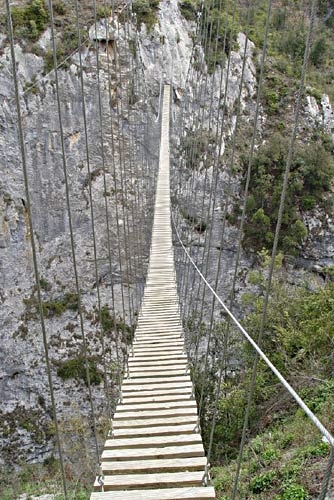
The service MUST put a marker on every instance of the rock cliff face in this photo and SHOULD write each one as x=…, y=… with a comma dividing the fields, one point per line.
x=130, y=74
x=129, y=103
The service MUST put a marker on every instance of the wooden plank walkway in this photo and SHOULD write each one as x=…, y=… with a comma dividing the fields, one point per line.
x=154, y=452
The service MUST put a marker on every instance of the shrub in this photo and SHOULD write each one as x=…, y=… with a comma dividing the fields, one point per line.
x=76, y=368
x=145, y=11
x=30, y=21
x=263, y=482
x=188, y=9
x=311, y=175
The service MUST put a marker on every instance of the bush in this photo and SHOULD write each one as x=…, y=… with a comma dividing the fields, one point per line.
x=145, y=11
x=188, y=9
x=263, y=482
x=294, y=492
x=76, y=368
x=30, y=21
x=311, y=175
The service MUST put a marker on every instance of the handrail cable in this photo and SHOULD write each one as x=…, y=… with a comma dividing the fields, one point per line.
x=283, y=381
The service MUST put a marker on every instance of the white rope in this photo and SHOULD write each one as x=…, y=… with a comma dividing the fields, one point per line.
x=283, y=381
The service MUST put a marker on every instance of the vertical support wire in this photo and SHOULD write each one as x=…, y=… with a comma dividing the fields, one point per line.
x=115, y=188
x=73, y=246
x=222, y=369
x=33, y=246
x=277, y=233
x=106, y=209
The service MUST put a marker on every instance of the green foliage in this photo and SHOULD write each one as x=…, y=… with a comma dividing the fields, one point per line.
x=146, y=12
x=298, y=332
x=76, y=368
x=199, y=146
x=293, y=492
x=262, y=482
x=219, y=33
x=197, y=224
x=30, y=21
x=40, y=479
x=59, y=8
x=188, y=9
x=110, y=323
x=311, y=174
x=59, y=306
x=45, y=284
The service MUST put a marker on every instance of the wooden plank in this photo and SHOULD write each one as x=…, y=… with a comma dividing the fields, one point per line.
x=158, y=343
x=193, y=450
x=159, y=357
x=178, y=379
x=174, y=465
x=151, y=392
x=154, y=421
x=146, y=481
x=201, y=493
x=152, y=365
x=156, y=398
x=165, y=387
x=151, y=405
x=158, y=351
x=134, y=374
x=153, y=413
x=155, y=441
x=155, y=430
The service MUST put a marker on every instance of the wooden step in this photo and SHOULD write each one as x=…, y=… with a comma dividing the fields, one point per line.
x=144, y=365
x=153, y=391
x=155, y=429
x=136, y=415
x=151, y=405
x=142, y=466
x=154, y=398
x=200, y=493
x=146, y=481
x=150, y=380
x=165, y=388
x=134, y=374
x=193, y=450
x=157, y=358
x=153, y=441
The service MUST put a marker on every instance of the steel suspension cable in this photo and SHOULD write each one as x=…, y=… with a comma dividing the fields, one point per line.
x=122, y=170
x=253, y=343
x=276, y=237
x=33, y=246
x=222, y=370
x=73, y=249
x=206, y=357
x=106, y=209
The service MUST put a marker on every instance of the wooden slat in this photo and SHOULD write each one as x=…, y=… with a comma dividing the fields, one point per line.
x=144, y=422
x=150, y=405
x=194, y=450
x=174, y=465
x=166, y=494
x=155, y=398
x=156, y=441
x=146, y=481
x=155, y=429
x=154, y=413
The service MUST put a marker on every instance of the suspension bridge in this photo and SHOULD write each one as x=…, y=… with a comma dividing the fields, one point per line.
x=154, y=448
